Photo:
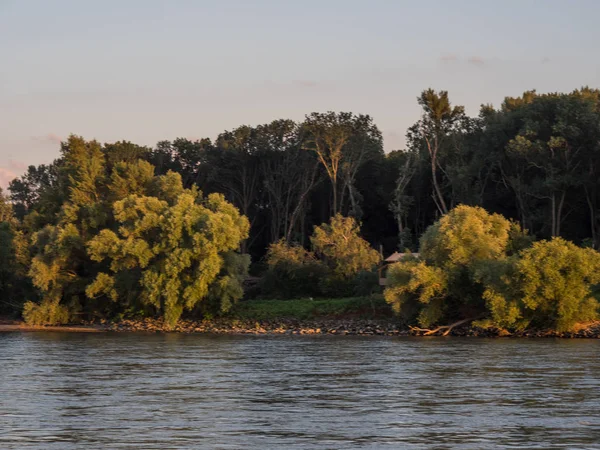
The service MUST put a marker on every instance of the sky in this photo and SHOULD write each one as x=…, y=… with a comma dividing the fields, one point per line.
x=151, y=70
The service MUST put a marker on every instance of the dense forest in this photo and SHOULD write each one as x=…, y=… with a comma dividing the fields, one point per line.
x=111, y=229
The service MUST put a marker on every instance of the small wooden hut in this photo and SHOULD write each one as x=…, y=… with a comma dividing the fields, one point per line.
x=394, y=257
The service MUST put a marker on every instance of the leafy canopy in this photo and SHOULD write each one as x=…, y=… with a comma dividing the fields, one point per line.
x=176, y=247
x=342, y=248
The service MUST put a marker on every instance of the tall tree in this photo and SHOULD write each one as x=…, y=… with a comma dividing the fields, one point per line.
x=343, y=142
x=439, y=122
x=175, y=244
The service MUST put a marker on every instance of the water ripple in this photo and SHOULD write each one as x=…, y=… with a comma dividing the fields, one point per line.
x=159, y=391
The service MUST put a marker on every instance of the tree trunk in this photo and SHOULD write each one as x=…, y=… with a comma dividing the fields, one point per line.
x=593, y=221
x=441, y=204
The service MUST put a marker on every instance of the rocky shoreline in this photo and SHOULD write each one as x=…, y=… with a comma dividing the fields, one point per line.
x=334, y=326
x=349, y=327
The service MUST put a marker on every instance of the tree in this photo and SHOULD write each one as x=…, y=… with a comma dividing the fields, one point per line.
x=329, y=134
x=288, y=173
x=556, y=281
x=177, y=246
x=550, y=145
x=343, y=250
x=365, y=144
x=445, y=284
x=60, y=268
x=438, y=123
x=343, y=142
x=292, y=272
x=39, y=190
x=13, y=283
x=466, y=235
x=124, y=152
x=401, y=203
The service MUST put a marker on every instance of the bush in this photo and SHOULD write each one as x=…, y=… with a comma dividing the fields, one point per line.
x=446, y=284
x=46, y=313
x=471, y=268
x=340, y=246
x=464, y=235
x=555, y=284
x=366, y=283
x=293, y=272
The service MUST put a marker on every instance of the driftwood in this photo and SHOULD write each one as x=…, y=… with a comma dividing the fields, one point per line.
x=447, y=328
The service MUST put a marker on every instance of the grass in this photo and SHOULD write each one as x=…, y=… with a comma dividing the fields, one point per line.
x=373, y=307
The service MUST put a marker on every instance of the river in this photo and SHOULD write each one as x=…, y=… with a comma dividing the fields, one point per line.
x=171, y=391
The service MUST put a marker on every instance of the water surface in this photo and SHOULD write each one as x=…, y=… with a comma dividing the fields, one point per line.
x=171, y=391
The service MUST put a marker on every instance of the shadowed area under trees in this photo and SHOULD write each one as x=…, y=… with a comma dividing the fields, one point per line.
x=95, y=233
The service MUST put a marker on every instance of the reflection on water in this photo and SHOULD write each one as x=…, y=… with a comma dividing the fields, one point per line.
x=158, y=391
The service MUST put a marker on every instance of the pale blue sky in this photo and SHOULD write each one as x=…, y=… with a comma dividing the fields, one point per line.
x=147, y=70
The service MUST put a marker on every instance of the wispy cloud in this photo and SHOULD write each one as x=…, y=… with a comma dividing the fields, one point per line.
x=449, y=58
x=476, y=61
x=50, y=137
x=545, y=60
x=17, y=166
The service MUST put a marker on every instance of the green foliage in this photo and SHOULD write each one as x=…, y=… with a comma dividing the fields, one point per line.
x=307, y=309
x=556, y=279
x=464, y=236
x=227, y=289
x=446, y=284
x=416, y=288
x=14, y=284
x=342, y=264
x=178, y=247
x=292, y=272
x=535, y=159
x=342, y=249
x=471, y=268
x=366, y=283
x=49, y=312
x=127, y=241
x=130, y=178
x=548, y=285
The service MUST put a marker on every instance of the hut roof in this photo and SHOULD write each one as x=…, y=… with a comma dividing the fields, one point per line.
x=394, y=257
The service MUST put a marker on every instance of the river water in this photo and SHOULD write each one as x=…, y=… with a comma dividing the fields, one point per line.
x=163, y=391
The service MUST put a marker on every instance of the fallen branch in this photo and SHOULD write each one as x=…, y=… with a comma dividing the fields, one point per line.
x=447, y=328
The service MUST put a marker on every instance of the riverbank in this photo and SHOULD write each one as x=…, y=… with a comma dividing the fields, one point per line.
x=343, y=327
x=23, y=327
x=339, y=327
x=355, y=316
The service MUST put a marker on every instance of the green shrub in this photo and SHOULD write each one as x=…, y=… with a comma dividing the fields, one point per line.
x=46, y=313
x=292, y=272
x=481, y=265
x=555, y=283
x=340, y=246
x=366, y=283
x=446, y=284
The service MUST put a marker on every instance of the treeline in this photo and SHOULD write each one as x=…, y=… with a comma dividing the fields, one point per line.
x=535, y=160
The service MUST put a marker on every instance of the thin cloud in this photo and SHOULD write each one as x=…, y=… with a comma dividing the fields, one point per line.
x=545, y=60
x=449, y=58
x=16, y=165
x=476, y=61
x=50, y=137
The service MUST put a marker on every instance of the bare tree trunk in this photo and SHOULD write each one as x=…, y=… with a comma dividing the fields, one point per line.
x=301, y=202
x=441, y=204
x=593, y=220
x=559, y=213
